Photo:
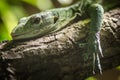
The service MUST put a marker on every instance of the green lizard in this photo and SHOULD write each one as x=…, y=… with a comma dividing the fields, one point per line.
x=53, y=20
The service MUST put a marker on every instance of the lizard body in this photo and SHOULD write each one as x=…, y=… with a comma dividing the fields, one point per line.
x=53, y=20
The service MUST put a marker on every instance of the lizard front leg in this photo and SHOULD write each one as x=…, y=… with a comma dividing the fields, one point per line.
x=93, y=47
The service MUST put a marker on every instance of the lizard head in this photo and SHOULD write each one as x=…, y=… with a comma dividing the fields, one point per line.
x=34, y=25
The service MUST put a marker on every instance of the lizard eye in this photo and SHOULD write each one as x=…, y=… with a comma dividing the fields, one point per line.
x=36, y=20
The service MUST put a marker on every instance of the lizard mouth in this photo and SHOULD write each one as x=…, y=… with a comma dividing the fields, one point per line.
x=29, y=34
x=23, y=35
x=14, y=36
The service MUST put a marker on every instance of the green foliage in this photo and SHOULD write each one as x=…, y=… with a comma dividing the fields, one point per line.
x=118, y=67
x=91, y=78
x=9, y=14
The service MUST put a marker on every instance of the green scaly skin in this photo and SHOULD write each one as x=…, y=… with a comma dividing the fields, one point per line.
x=53, y=20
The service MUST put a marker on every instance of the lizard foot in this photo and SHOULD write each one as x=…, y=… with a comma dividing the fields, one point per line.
x=94, y=48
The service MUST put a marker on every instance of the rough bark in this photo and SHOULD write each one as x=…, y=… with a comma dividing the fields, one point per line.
x=60, y=56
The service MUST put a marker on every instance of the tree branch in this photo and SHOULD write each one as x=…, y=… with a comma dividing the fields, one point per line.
x=59, y=56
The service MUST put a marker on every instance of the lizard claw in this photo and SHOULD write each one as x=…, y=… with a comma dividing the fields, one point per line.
x=98, y=42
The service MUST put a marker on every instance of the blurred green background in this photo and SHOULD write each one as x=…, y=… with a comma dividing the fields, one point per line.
x=12, y=10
